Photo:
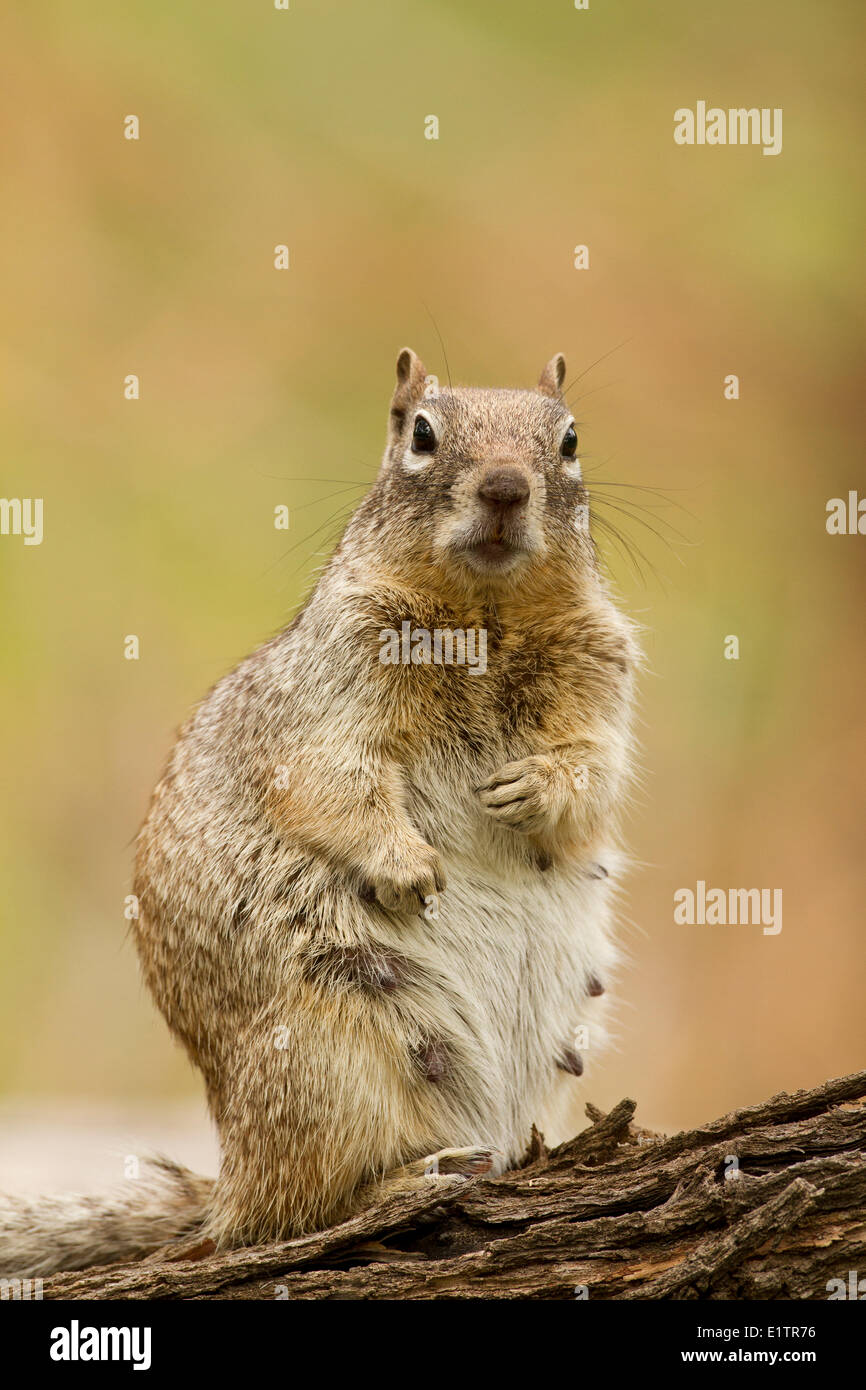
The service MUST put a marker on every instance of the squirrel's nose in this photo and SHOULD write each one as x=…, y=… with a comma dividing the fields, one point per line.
x=505, y=487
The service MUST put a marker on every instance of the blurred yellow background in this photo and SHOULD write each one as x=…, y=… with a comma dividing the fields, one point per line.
x=156, y=257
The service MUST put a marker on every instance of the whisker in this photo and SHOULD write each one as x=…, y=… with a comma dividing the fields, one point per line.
x=637, y=487
x=618, y=542
x=654, y=505
x=317, y=500
x=604, y=501
x=632, y=510
x=586, y=394
x=341, y=511
x=660, y=493
x=595, y=364
x=441, y=344
x=632, y=549
x=339, y=522
x=285, y=478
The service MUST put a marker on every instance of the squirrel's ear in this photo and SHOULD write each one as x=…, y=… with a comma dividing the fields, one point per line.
x=411, y=376
x=551, y=379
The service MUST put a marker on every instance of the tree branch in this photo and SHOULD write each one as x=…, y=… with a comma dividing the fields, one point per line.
x=768, y=1202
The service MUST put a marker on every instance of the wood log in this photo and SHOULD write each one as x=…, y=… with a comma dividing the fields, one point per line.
x=768, y=1202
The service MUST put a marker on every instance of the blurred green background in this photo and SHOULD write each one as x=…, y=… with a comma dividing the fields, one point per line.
x=155, y=257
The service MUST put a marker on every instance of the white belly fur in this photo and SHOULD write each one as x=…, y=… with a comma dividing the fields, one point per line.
x=509, y=960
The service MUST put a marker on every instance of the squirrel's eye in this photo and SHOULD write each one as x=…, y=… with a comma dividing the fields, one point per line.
x=568, y=447
x=423, y=438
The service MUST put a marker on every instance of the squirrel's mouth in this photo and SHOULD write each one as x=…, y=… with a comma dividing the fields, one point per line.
x=494, y=540
x=493, y=549
x=494, y=552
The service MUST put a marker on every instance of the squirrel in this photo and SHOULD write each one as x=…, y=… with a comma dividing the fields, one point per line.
x=376, y=888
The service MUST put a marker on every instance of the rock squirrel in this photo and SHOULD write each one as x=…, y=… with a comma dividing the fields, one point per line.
x=375, y=880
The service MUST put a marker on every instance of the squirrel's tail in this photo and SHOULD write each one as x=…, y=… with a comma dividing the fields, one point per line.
x=43, y=1235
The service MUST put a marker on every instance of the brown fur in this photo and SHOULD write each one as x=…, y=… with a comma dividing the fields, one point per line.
x=376, y=899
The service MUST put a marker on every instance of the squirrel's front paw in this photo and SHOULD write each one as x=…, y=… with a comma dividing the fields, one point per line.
x=524, y=795
x=405, y=879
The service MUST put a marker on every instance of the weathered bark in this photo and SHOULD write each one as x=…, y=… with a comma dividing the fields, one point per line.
x=622, y=1212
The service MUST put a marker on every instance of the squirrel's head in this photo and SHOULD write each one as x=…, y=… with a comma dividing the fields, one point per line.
x=484, y=482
